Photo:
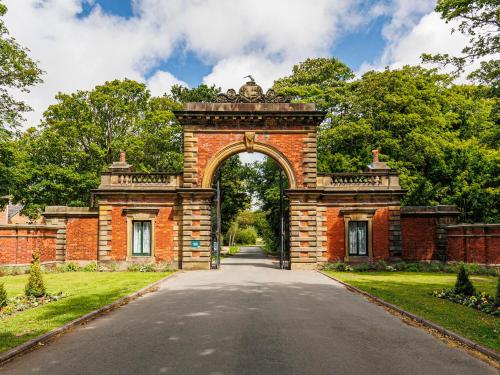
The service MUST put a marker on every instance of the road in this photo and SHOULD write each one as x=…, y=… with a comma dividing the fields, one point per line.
x=248, y=318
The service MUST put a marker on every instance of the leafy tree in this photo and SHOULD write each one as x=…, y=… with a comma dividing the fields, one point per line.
x=35, y=287
x=463, y=285
x=202, y=93
x=17, y=71
x=246, y=236
x=322, y=81
x=83, y=133
x=480, y=20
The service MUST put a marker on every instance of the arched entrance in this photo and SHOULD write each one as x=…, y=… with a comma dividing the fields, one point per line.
x=250, y=121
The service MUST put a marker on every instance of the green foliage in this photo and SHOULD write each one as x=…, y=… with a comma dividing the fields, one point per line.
x=139, y=267
x=18, y=72
x=463, y=284
x=91, y=267
x=35, y=287
x=441, y=138
x=200, y=94
x=71, y=267
x=84, y=132
x=246, y=236
x=497, y=294
x=3, y=296
x=321, y=80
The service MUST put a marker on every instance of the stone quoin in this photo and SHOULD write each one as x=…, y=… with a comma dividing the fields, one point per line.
x=160, y=217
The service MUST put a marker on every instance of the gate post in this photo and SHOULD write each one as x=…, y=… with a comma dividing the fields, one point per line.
x=195, y=228
x=307, y=233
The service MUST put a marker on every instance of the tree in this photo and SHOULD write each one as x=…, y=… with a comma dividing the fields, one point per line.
x=463, y=285
x=322, y=81
x=83, y=133
x=202, y=93
x=35, y=287
x=17, y=72
x=480, y=20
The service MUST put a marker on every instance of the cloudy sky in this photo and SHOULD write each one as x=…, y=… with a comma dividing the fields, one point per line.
x=82, y=43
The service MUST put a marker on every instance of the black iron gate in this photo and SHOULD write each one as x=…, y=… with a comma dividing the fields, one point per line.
x=284, y=245
x=216, y=226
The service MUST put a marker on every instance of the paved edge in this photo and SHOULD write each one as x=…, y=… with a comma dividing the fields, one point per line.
x=20, y=349
x=468, y=343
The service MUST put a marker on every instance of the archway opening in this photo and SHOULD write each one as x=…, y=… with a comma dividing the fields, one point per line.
x=250, y=212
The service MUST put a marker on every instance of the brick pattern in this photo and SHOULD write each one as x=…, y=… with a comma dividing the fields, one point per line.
x=17, y=244
x=479, y=243
x=190, y=175
x=335, y=235
x=380, y=241
x=81, y=239
x=395, y=232
x=309, y=160
x=418, y=238
x=60, y=237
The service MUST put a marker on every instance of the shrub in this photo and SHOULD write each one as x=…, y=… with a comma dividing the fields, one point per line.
x=463, y=284
x=497, y=294
x=133, y=267
x=35, y=286
x=362, y=267
x=381, y=265
x=3, y=296
x=246, y=236
x=71, y=267
x=337, y=266
x=91, y=267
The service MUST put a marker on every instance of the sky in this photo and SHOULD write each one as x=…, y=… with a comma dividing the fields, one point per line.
x=82, y=43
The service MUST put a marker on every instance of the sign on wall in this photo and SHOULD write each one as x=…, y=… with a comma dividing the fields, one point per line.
x=195, y=244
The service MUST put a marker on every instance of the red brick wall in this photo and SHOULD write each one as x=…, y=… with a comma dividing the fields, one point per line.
x=81, y=238
x=418, y=237
x=18, y=244
x=164, y=236
x=335, y=235
x=380, y=233
x=290, y=145
x=474, y=243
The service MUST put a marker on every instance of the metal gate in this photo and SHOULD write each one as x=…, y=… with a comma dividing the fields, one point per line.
x=216, y=226
x=284, y=245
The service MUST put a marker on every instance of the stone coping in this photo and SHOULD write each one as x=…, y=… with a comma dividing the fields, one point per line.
x=28, y=226
x=430, y=210
x=249, y=107
x=474, y=226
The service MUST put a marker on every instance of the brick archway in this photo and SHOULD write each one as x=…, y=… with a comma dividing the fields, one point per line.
x=237, y=147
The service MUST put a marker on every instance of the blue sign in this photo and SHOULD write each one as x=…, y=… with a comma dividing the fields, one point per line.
x=195, y=243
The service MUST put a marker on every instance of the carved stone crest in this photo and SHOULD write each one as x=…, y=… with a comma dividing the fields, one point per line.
x=250, y=92
x=249, y=141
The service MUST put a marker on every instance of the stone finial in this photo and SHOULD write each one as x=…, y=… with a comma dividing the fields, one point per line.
x=121, y=165
x=375, y=155
x=251, y=92
x=377, y=165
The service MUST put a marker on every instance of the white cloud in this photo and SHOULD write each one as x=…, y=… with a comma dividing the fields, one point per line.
x=161, y=82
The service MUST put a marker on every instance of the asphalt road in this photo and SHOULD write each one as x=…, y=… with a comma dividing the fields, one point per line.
x=248, y=318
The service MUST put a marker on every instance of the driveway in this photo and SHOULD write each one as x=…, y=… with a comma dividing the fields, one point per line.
x=248, y=318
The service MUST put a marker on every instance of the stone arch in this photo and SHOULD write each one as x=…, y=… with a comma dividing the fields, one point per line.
x=237, y=147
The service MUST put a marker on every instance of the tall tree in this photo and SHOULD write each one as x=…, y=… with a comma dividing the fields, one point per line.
x=83, y=133
x=17, y=72
x=202, y=93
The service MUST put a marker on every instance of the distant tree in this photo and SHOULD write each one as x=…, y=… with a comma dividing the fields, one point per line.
x=202, y=93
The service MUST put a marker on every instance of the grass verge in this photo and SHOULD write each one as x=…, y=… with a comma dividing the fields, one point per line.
x=411, y=292
x=85, y=292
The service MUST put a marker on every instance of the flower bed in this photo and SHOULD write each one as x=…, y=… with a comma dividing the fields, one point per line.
x=480, y=301
x=21, y=303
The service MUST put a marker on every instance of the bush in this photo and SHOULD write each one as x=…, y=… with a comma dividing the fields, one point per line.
x=3, y=296
x=91, y=267
x=71, y=267
x=337, y=266
x=35, y=286
x=246, y=236
x=463, y=285
x=497, y=294
x=137, y=267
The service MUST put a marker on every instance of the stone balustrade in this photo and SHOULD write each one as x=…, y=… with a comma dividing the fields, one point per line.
x=139, y=179
x=375, y=180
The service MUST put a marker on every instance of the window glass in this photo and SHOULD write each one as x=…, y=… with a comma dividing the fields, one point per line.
x=358, y=238
x=141, y=238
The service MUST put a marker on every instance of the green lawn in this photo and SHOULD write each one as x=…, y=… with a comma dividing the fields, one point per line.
x=411, y=291
x=86, y=291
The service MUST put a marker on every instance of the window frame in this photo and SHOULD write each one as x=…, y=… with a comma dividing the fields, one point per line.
x=142, y=253
x=140, y=214
x=358, y=214
x=358, y=253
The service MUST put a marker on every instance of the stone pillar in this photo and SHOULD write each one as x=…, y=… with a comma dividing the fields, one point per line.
x=395, y=232
x=304, y=242
x=309, y=160
x=196, y=228
x=104, y=232
x=190, y=175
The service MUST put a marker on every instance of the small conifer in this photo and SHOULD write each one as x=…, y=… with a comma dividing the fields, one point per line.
x=3, y=296
x=463, y=285
x=35, y=286
x=497, y=295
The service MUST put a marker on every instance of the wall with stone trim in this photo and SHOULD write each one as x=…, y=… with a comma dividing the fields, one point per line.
x=474, y=243
x=19, y=242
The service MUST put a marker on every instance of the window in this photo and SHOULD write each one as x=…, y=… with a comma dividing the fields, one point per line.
x=358, y=233
x=141, y=238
